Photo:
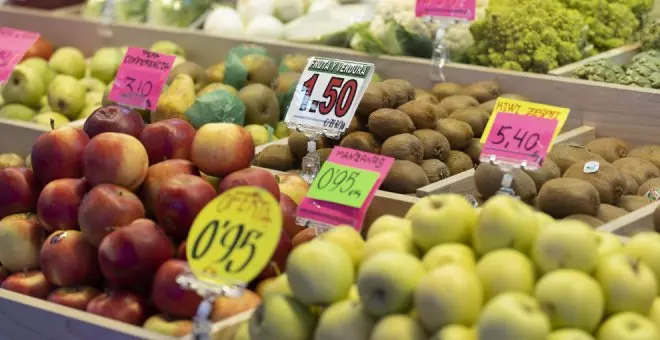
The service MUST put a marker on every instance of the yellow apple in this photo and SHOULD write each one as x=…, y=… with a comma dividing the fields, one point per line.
x=629, y=284
x=390, y=223
x=607, y=243
x=513, y=316
x=654, y=314
x=449, y=253
x=293, y=186
x=281, y=317
x=505, y=270
x=281, y=130
x=176, y=328
x=543, y=218
x=388, y=241
x=570, y=334
x=566, y=244
x=259, y=133
x=344, y=320
x=628, y=325
x=348, y=238
x=455, y=332
x=242, y=332
x=353, y=293
x=396, y=327
x=646, y=246
x=280, y=285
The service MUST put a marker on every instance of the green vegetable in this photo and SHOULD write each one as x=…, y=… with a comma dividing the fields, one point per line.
x=650, y=36
x=333, y=27
x=401, y=34
x=133, y=11
x=216, y=107
x=236, y=72
x=177, y=13
x=603, y=70
x=640, y=8
x=644, y=71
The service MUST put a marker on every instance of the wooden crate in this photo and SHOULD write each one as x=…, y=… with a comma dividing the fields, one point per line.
x=620, y=55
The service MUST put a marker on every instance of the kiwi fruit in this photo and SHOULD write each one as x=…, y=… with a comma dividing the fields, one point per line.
x=444, y=90
x=632, y=202
x=565, y=155
x=458, y=162
x=458, y=133
x=386, y=123
x=404, y=147
x=640, y=169
x=546, y=172
x=360, y=140
x=488, y=180
x=609, y=148
x=474, y=150
x=483, y=91
x=353, y=126
x=474, y=116
x=488, y=106
x=608, y=212
x=426, y=96
x=653, y=183
x=435, y=170
x=405, y=177
x=324, y=154
x=650, y=153
x=422, y=113
x=435, y=144
x=608, y=180
x=298, y=143
x=561, y=197
x=276, y=157
x=374, y=98
x=589, y=220
x=402, y=91
x=631, y=184
x=453, y=103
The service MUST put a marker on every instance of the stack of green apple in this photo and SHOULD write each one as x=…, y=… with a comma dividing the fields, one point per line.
x=448, y=271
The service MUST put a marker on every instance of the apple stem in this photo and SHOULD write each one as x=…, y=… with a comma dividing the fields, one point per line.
x=635, y=265
x=52, y=124
x=276, y=268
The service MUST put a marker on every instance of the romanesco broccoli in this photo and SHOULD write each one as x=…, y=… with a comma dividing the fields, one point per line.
x=650, y=36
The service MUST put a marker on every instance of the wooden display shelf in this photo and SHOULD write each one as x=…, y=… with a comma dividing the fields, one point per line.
x=620, y=55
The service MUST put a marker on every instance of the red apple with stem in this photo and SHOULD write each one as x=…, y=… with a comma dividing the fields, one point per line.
x=115, y=158
x=58, y=154
x=114, y=118
x=168, y=139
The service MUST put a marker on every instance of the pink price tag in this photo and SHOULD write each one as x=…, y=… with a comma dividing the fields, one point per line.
x=461, y=9
x=140, y=78
x=519, y=138
x=334, y=214
x=13, y=45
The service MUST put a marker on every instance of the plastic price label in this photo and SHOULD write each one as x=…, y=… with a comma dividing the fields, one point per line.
x=343, y=185
x=234, y=236
x=140, y=78
x=13, y=45
x=460, y=9
x=328, y=93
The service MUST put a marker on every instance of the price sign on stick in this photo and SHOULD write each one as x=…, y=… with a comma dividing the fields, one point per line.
x=13, y=45
x=460, y=9
x=328, y=93
x=234, y=236
x=140, y=78
x=342, y=184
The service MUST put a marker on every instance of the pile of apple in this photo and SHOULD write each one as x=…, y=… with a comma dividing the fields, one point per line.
x=99, y=221
x=449, y=271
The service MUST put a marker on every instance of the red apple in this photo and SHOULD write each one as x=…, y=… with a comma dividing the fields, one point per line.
x=277, y=264
x=257, y=177
x=181, y=252
x=289, y=207
x=293, y=186
x=75, y=297
x=168, y=296
x=168, y=139
x=58, y=203
x=114, y=118
x=179, y=201
x=159, y=173
x=104, y=207
x=18, y=191
x=21, y=237
x=115, y=158
x=67, y=260
x=58, y=154
x=225, y=307
x=118, y=305
x=304, y=236
x=173, y=327
x=222, y=148
x=40, y=49
x=32, y=283
x=131, y=255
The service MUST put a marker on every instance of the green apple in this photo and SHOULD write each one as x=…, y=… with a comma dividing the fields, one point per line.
x=516, y=276
x=17, y=111
x=242, y=332
x=41, y=67
x=505, y=222
x=449, y=253
x=646, y=247
x=396, y=327
x=390, y=241
x=386, y=223
x=87, y=111
x=281, y=317
x=282, y=130
x=66, y=95
x=259, y=133
x=628, y=325
x=319, y=272
x=654, y=314
x=543, y=218
x=607, y=243
x=104, y=64
x=455, y=332
x=24, y=86
x=571, y=298
x=348, y=238
x=164, y=325
x=512, y=316
x=50, y=119
x=440, y=219
x=344, y=320
x=69, y=61
x=280, y=285
x=447, y=295
x=566, y=244
x=629, y=284
x=93, y=85
x=168, y=47
x=386, y=282
x=570, y=334
x=353, y=293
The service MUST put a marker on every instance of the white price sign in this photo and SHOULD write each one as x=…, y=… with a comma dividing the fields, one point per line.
x=328, y=94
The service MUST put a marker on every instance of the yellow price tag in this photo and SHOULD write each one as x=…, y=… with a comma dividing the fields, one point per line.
x=234, y=236
x=508, y=105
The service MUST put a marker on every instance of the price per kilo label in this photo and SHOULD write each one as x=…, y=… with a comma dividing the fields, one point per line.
x=461, y=9
x=342, y=184
x=13, y=45
x=234, y=236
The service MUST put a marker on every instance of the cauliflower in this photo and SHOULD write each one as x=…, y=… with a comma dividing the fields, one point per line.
x=399, y=34
x=603, y=70
x=458, y=39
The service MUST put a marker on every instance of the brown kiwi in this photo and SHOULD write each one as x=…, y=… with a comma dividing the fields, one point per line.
x=609, y=148
x=424, y=95
x=298, y=143
x=653, y=183
x=458, y=162
x=631, y=184
x=488, y=106
x=650, y=153
x=561, y=197
x=386, y=123
x=444, y=90
x=405, y=177
x=360, y=140
x=608, y=212
x=374, y=98
x=404, y=147
x=435, y=144
x=422, y=114
x=640, y=169
x=353, y=126
x=435, y=170
x=565, y=155
x=590, y=220
x=546, y=172
x=608, y=180
x=276, y=157
x=474, y=150
x=476, y=117
x=488, y=180
x=483, y=91
x=632, y=202
x=453, y=103
x=402, y=89
x=458, y=133
x=324, y=154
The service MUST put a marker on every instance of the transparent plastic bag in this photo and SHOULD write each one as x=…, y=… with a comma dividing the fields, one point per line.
x=130, y=11
x=177, y=13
